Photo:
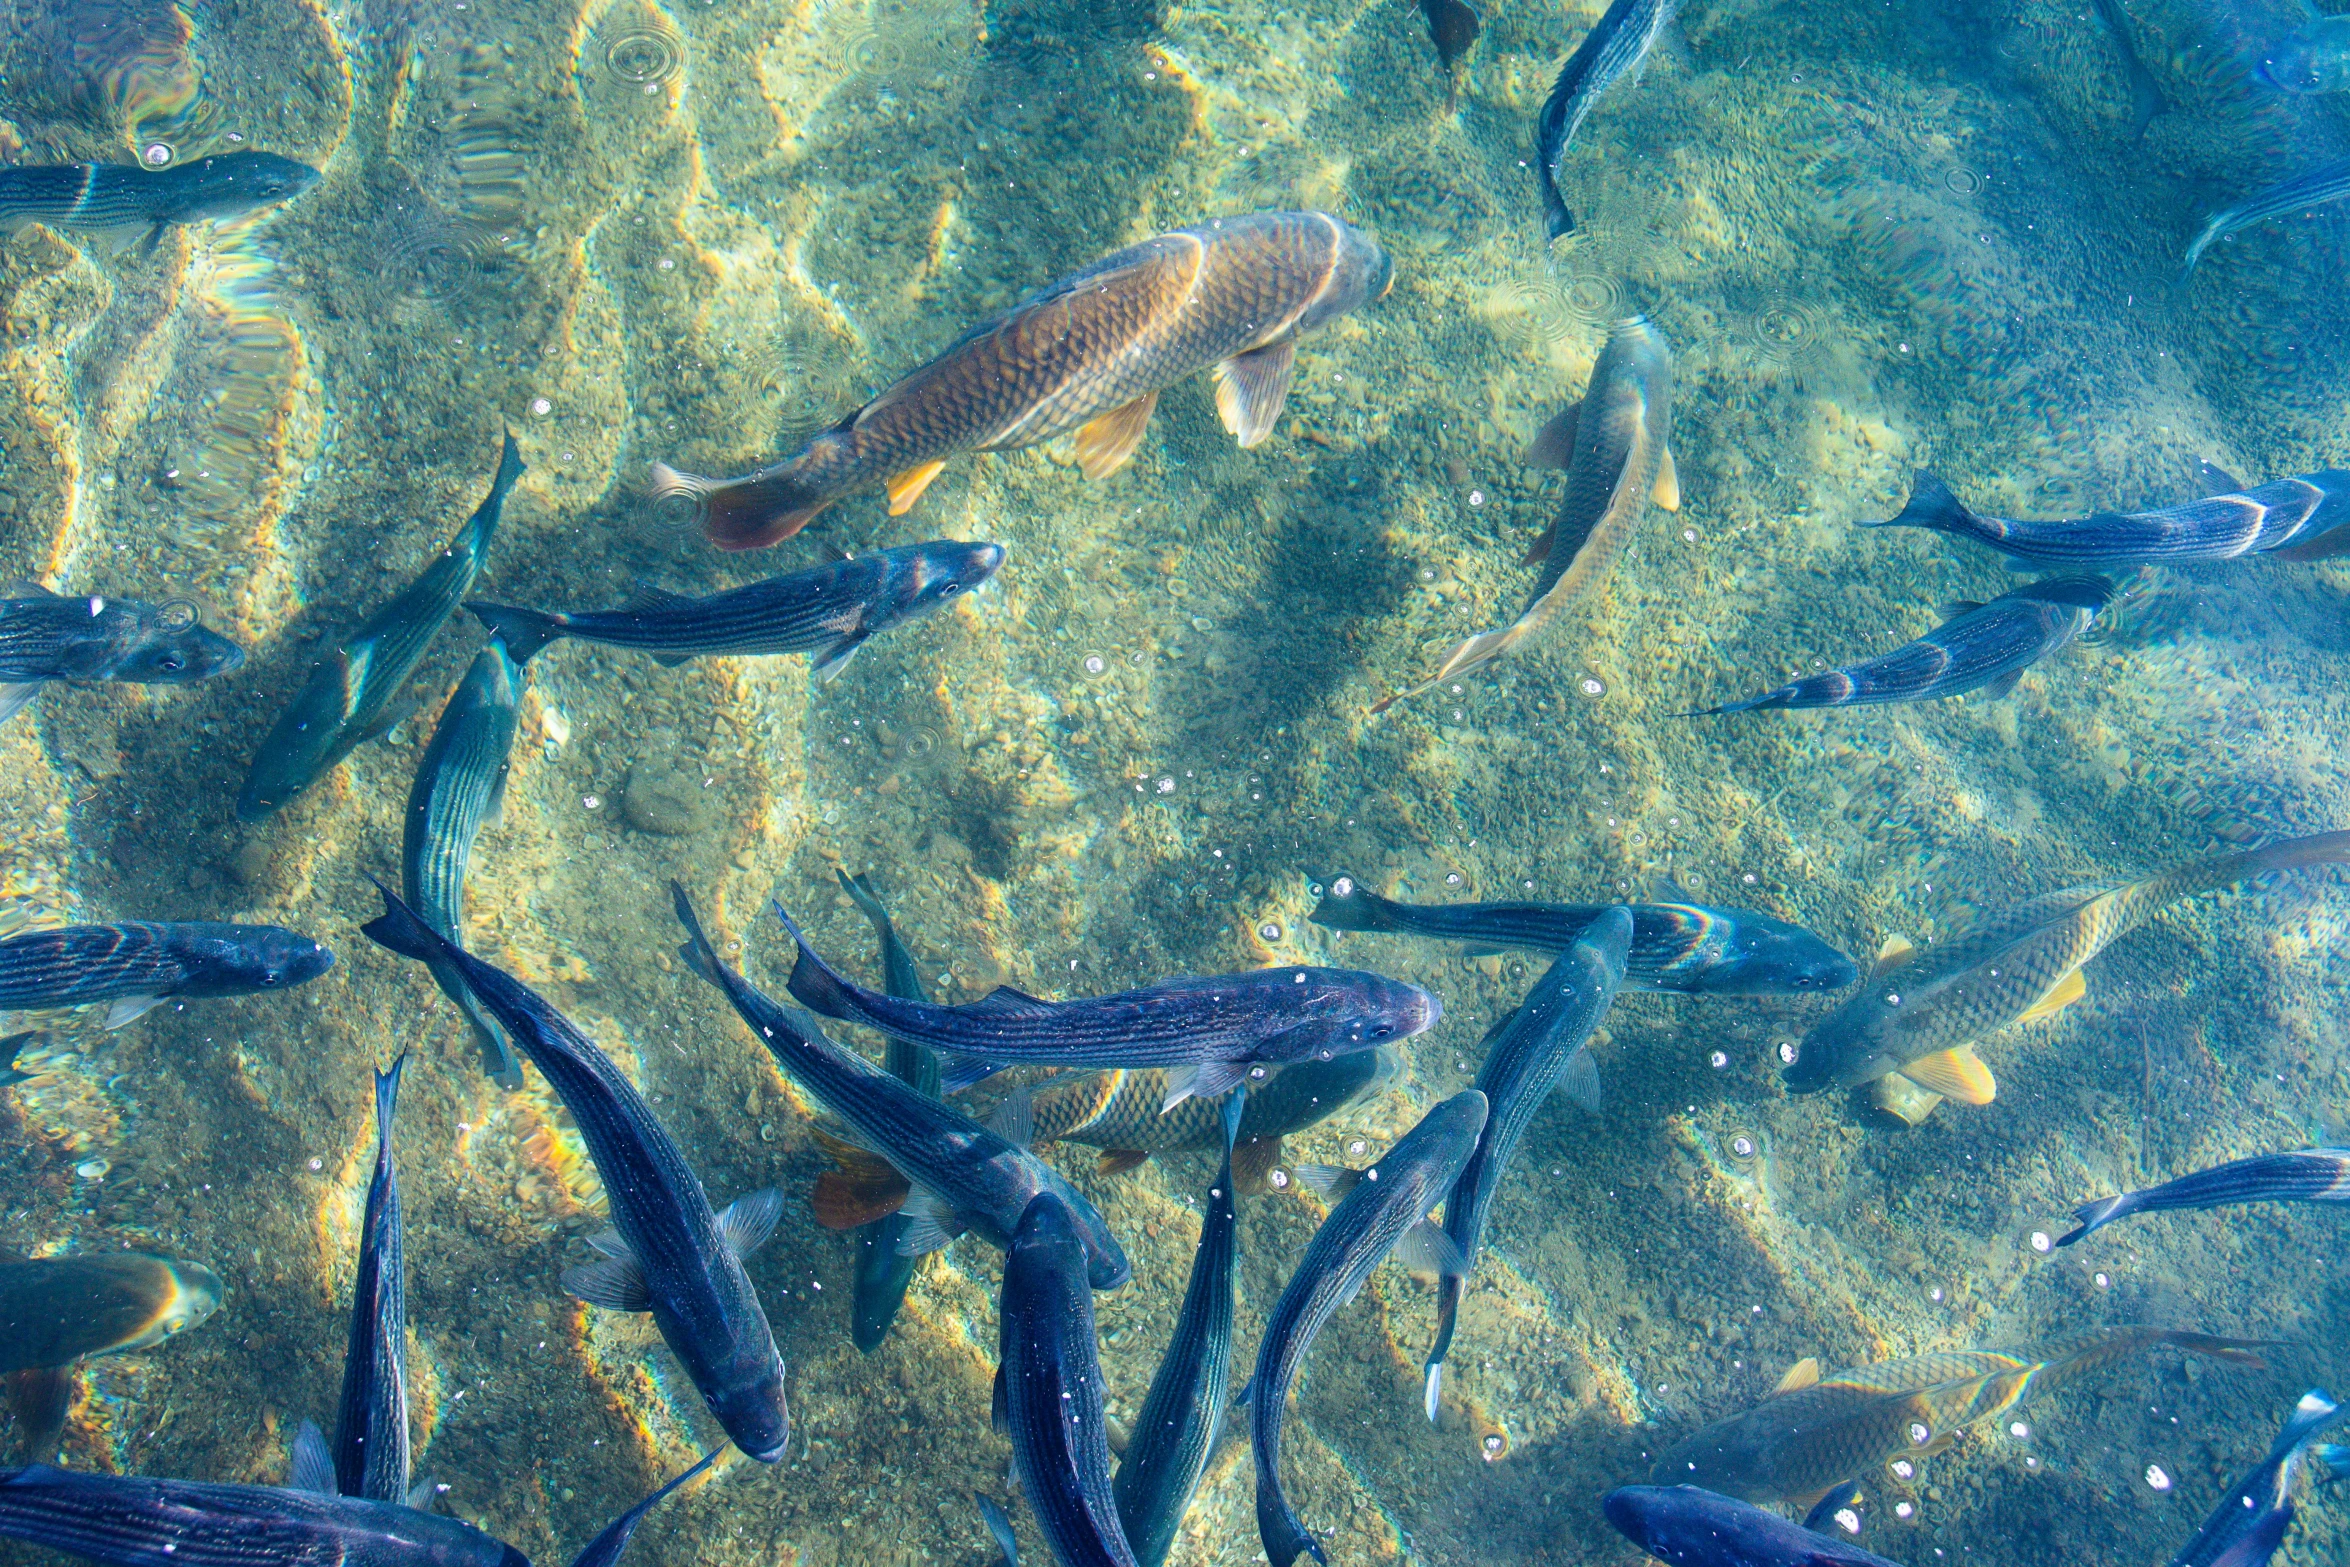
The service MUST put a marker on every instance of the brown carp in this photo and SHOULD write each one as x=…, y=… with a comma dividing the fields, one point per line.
x=56, y=1312
x=1089, y=354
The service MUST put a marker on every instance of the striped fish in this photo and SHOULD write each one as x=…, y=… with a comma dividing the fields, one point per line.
x=136, y=965
x=46, y=636
x=2292, y=519
x=120, y=203
x=829, y=611
x=348, y=698
x=1690, y=1527
x=609, y=1544
x=2310, y=1175
x=370, y=1451
x=460, y=786
x=1614, y=49
x=2330, y=182
x=1089, y=354
x=2249, y=1523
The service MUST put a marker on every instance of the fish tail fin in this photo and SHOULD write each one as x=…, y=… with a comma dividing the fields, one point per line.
x=524, y=631
x=1472, y=655
x=1931, y=505
x=2316, y=1410
x=742, y=514
x=1283, y=1533
x=484, y=526
x=403, y=930
x=2095, y=1216
x=1448, y=1310
x=814, y=983
x=2243, y=1352
x=2226, y=870
x=387, y=1104
x=868, y=902
x=697, y=952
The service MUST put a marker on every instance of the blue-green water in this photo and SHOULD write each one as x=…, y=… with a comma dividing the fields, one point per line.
x=1875, y=238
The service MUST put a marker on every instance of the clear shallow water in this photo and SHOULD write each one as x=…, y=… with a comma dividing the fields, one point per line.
x=1874, y=240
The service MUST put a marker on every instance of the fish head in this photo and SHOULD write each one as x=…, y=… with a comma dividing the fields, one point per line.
x=1393, y=1009
x=1307, y=1092
x=1106, y=1263
x=1857, y=1043
x=194, y=1292
x=2292, y=68
x=153, y=644
x=239, y=182
x=1360, y=273
x=244, y=959
x=750, y=1407
x=1756, y=955
x=944, y=570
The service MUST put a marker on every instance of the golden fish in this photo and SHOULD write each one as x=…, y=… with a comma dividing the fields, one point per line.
x=1816, y=1432
x=1616, y=447
x=1090, y=353
x=58, y=1311
x=1918, y=1015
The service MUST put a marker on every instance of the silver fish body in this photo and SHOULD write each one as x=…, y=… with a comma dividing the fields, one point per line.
x=138, y=964
x=2249, y=1523
x=2293, y=519
x=2308, y=1175
x=46, y=636
x=1614, y=49
x=371, y=1429
x=126, y=200
x=1688, y=1527
x=2326, y=183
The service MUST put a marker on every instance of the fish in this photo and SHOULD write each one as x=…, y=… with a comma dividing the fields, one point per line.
x=2312, y=58
x=2294, y=519
x=10, y=1047
x=2146, y=100
x=1453, y=26
x=1544, y=1044
x=606, y=1548
x=971, y=1176
x=137, y=965
x=136, y=1521
x=460, y=786
x=1978, y=647
x=1684, y=1526
x=56, y=1312
x=1090, y=354
x=121, y=202
x=1687, y=948
x=1184, y=1411
x=1616, y=48
x=880, y=1272
x=827, y=612
x=47, y=636
x=1211, y=1030
x=348, y=698
x=1919, y=1014
x=2326, y=183
x=1382, y=1206
x=2309, y=1175
x=999, y=1529
x=1048, y=1388
x=1815, y=1432
x=2248, y=1524
x=1616, y=446
x=370, y=1450
x=666, y=1252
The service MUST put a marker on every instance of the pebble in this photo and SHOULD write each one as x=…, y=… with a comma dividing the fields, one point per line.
x=664, y=799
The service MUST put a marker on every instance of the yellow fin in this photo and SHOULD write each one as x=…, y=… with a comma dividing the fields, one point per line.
x=1251, y=387
x=1956, y=1073
x=1667, y=492
x=2062, y=994
x=906, y=488
x=1800, y=1375
x=1117, y=1161
x=1903, y=1100
x=1107, y=444
x=1895, y=952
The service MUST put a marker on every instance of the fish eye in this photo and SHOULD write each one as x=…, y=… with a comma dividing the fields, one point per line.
x=950, y=590
x=171, y=663
x=270, y=976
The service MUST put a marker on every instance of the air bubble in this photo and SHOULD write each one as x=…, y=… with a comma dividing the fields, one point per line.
x=1961, y=181
x=1096, y=665
x=1269, y=931
x=156, y=154
x=2104, y=1281
x=1164, y=786
x=1787, y=1052
x=1742, y=1146
x=1718, y=1060
x=540, y=407
x=2157, y=1477
x=1343, y=887
x=1920, y=1433
x=1903, y=1469
x=2040, y=1240
x=1592, y=685
x=1452, y=878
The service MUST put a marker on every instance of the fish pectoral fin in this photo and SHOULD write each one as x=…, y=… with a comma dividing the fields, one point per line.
x=672, y=660
x=2060, y=995
x=41, y=1398
x=1895, y=952
x=1666, y=492
x=1800, y=1375
x=1580, y=1080
x=1005, y=998
x=750, y=1219
x=1117, y=1161
x=956, y=1073
x=1957, y=1074
x=2215, y=479
x=841, y=1201
x=1014, y=1117
x=1202, y=1080
x=1329, y=1182
x=127, y=1008
x=310, y=1467
x=1429, y=1254
x=1251, y=387
x=906, y=488
x=14, y=697
x=1958, y=607
x=422, y=1495
x=2002, y=686
x=1106, y=444
x=930, y=1223
x=999, y=1404
x=836, y=657
x=399, y=711
x=1554, y=444
x=608, y=1241
x=1253, y=1162
x=614, y=1283
x=1844, y=1497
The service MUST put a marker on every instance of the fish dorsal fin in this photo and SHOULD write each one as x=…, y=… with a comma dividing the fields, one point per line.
x=1251, y=387
x=750, y=1219
x=844, y=1200
x=1957, y=1073
x=1006, y=998
x=1430, y=1254
x=1666, y=492
x=614, y=1283
x=1106, y=444
x=2215, y=479
x=1205, y=1079
x=1327, y=1181
x=1553, y=445
x=1014, y=1118
x=906, y=488
x=1253, y=1162
x=310, y=1467
x=2060, y=995
x=650, y=597
x=1895, y=952
x=24, y=588
x=1117, y=1161
x=1801, y=1375
x=1958, y=607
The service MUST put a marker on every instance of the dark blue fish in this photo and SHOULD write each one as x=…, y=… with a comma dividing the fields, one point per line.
x=1983, y=647
x=666, y=1253
x=999, y=1529
x=2309, y=1175
x=1184, y=1411
x=1048, y=1389
x=131, y=1521
x=2292, y=519
x=45, y=636
x=2246, y=1527
x=1615, y=48
x=1385, y=1202
x=2146, y=99
x=972, y=1176
x=1212, y=1030
x=606, y=1548
x=460, y=785
x=1683, y=1526
x=2326, y=183
x=348, y=698
x=136, y=965
x=1545, y=1042
x=123, y=202
x=828, y=611
x=371, y=1427
x=881, y=1270
x=1683, y=947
